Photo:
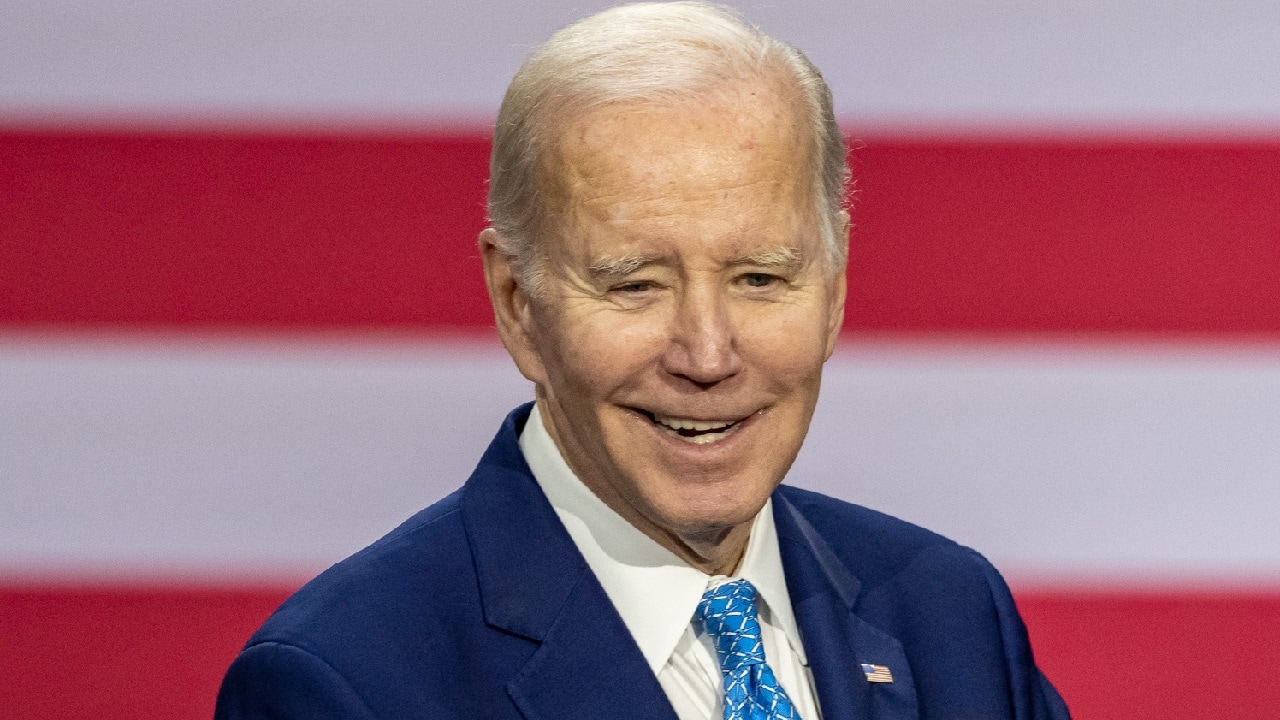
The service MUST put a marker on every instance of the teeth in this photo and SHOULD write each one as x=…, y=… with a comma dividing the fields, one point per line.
x=709, y=430
x=699, y=425
x=706, y=439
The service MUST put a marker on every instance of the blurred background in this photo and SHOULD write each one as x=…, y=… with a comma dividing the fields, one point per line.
x=243, y=331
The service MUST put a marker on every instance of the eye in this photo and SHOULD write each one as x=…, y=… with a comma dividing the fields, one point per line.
x=759, y=280
x=637, y=286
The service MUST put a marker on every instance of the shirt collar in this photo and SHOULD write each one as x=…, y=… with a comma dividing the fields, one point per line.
x=654, y=590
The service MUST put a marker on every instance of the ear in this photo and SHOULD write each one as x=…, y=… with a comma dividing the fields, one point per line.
x=512, y=308
x=840, y=285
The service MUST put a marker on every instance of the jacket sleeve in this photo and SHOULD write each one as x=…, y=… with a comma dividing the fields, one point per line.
x=284, y=682
x=1034, y=697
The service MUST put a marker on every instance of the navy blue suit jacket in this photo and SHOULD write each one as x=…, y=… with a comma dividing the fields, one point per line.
x=481, y=606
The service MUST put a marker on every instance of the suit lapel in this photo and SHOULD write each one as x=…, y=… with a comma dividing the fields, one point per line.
x=589, y=667
x=837, y=642
x=534, y=583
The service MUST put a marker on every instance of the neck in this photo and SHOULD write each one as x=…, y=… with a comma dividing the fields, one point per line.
x=716, y=553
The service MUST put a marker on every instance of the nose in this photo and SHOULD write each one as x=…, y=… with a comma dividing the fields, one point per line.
x=703, y=344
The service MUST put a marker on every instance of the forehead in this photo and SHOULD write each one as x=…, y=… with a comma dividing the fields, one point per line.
x=643, y=163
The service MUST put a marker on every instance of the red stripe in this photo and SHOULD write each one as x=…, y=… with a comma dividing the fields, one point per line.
x=132, y=651
x=348, y=230
x=241, y=230
x=1125, y=655
x=122, y=652
x=1067, y=236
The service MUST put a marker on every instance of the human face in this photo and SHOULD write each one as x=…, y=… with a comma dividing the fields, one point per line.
x=687, y=309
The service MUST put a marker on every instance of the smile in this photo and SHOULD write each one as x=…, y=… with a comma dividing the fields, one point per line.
x=698, y=432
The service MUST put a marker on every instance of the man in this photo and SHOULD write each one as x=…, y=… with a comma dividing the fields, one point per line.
x=666, y=264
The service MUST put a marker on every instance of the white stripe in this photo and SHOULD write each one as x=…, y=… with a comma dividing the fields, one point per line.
x=252, y=454
x=1123, y=61
x=240, y=453
x=1060, y=460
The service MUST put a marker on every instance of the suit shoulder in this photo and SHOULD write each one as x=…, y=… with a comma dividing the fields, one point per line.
x=878, y=548
x=875, y=531
x=412, y=565
x=271, y=680
x=946, y=604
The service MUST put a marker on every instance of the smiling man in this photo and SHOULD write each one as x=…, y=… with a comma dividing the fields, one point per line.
x=666, y=265
x=685, y=306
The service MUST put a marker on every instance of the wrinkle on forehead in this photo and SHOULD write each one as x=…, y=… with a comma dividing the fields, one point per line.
x=615, y=161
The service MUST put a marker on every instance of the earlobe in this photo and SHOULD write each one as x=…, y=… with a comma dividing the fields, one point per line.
x=512, y=306
x=840, y=284
x=836, y=320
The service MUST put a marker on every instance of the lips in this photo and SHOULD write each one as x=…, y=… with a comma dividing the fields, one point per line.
x=698, y=432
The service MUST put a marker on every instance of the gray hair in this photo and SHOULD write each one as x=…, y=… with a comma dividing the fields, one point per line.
x=653, y=51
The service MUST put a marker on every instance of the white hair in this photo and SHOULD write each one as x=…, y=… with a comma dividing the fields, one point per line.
x=649, y=51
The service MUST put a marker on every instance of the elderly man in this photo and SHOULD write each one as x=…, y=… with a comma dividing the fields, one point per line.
x=666, y=264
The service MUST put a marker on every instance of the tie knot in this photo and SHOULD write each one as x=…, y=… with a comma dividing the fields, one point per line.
x=728, y=613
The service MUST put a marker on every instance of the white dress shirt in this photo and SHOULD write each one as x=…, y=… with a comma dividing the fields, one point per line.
x=656, y=592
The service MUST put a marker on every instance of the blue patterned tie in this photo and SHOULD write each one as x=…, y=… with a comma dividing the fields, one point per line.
x=751, y=692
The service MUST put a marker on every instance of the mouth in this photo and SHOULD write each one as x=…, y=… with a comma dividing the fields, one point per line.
x=697, y=432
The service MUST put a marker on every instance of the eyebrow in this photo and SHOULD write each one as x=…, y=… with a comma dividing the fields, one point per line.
x=617, y=267
x=787, y=258
x=608, y=266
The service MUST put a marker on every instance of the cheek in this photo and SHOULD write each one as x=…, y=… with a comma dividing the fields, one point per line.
x=600, y=353
x=789, y=351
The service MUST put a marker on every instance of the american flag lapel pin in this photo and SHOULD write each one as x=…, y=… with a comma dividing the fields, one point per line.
x=877, y=673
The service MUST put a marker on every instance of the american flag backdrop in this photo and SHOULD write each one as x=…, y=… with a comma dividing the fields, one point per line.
x=243, y=330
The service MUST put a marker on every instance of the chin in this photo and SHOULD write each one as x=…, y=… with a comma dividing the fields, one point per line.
x=702, y=515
